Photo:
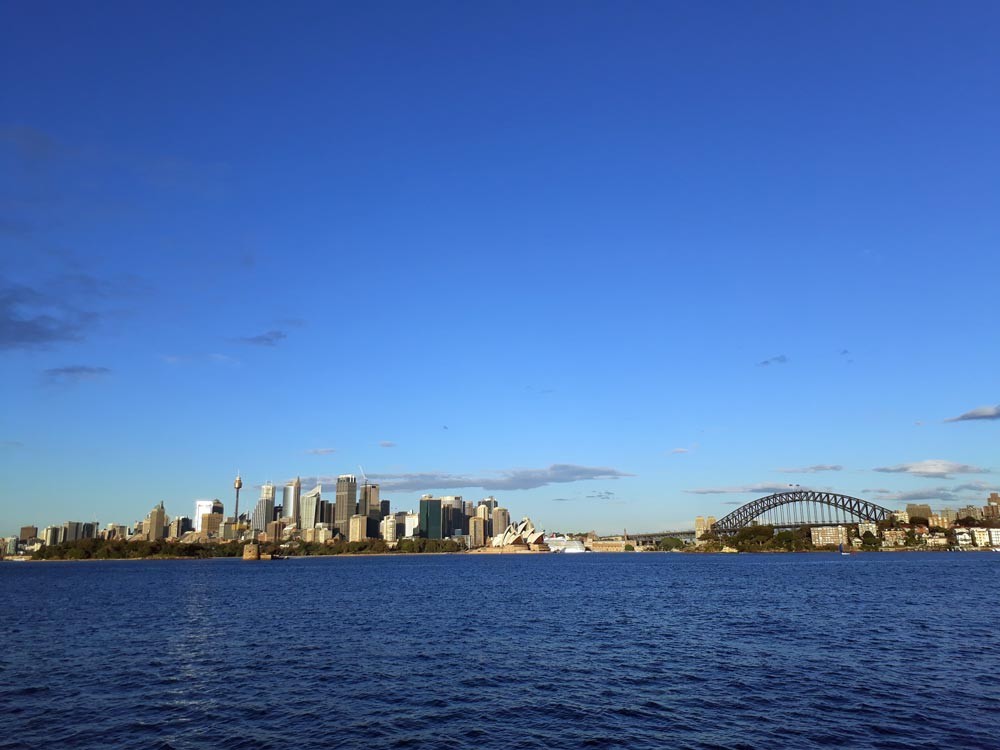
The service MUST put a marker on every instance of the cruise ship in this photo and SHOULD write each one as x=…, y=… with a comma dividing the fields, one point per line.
x=562, y=544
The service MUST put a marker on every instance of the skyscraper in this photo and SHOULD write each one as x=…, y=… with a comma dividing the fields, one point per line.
x=309, y=508
x=484, y=512
x=201, y=507
x=477, y=532
x=263, y=512
x=290, y=500
x=370, y=506
x=430, y=517
x=501, y=520
x=347, y=503
x=156, y=523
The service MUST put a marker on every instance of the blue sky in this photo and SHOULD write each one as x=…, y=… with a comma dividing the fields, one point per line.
x=618, y=264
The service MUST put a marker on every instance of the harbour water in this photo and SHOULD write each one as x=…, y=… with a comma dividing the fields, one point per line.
x=532, y=651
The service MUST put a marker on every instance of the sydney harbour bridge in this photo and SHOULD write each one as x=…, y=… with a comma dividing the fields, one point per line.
x=800, y=508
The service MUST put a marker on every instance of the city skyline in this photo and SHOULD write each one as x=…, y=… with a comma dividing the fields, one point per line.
x=621, y=267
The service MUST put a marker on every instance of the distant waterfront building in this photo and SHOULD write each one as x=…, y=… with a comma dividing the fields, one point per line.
x=309, y=508
x=866, y=526
x=371, y=506
x=263, y=512
x=485, y=513
x=89, y=530
x=346, y=503
x=384, y=508
x=358, y=526
x=920, y=510
x=893, y=538
x=211, y=523
x=201, y=507
x=477, y=532
x=50, y=535
x=452, y=516
x=430, y=517
x=71, y=531
x=27, y=533
x=490, y=503
x=290, y=496
x=828, y=536
x=156, y=523
x=971, y=511
x=939, y=521
x=411, y=524
x=949, y=514
x=275, y=530
x=387, y=529
x=179, y=527
x=901, y=516
x=980, y=537
x=994, y=537
x=501, y=520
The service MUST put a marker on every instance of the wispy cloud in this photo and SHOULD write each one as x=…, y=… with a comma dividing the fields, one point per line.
x=321, y=451
x=983, y=412
x=33, y=318
x=602, y=495
x=268, y=338
x=73, y=374
x=562, y=500
x=681, y=450
x=386, y=444
x=813, y=469
x=187, y=359
x=934, y=468
x=969, y=493
x=11, y=444
x=509, y=479
x=779, y=360
x=749, y=489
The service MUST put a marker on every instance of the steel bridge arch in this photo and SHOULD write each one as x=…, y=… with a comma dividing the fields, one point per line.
x=742, y=516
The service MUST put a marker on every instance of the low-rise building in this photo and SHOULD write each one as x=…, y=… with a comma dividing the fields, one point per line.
x=994, y=537
x=868, y=528
x=962, y=537
x=893, y=538
x=901, y=516
x=936, y=540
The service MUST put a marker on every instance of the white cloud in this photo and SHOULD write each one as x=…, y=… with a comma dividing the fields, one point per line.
x=508, y=479
x=935, y=468
x=813, y=469
x=755, y=489
x=321, y=451
x=983, y=412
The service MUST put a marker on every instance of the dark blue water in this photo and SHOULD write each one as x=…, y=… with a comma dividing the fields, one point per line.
x=630, y=650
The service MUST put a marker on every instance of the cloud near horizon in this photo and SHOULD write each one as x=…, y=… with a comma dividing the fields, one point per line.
x=813, y=469
x=509, y=479
x=983, y=412
x=932, y=468
x=386, y=444
x=321, y=451
x=763, y=488
x=31, y=318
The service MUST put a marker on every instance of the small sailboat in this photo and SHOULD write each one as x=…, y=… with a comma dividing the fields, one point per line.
x=845, y=554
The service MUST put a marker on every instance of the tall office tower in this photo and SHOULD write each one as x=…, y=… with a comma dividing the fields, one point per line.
x=325, y=512
x=50, y=535
x=290, y=500
x=411, y=524
x=370, y=506
x=490, y=502
x=156, y=523
x=28, y=532
x=263, y=512
x=358, y=529
x=501, y=520
x=400, y=518
x=430, y=517
x=483, y=512
x=387, y=529
x=71, y=531
x=201, y=507
x=347, y=503
x=384, y=508
x=89, y=530
x=477, y=532
x=452, y=516
x=309, y=508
